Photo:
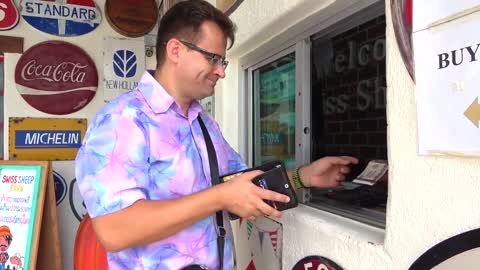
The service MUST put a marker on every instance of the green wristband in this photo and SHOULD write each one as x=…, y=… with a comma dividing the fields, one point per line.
x=297, y=182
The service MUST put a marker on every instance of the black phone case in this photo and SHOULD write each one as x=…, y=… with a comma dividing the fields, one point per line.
x=274, y=178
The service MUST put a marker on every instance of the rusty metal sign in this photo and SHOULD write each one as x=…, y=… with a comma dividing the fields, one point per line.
x=56, y=77
x=132, y=18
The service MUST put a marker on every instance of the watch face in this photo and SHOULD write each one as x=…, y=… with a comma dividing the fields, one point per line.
x=402, y=25
x=458, y=252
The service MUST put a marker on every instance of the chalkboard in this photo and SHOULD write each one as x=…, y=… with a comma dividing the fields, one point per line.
x=28, y=220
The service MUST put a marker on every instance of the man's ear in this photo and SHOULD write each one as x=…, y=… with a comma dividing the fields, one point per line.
x=173, y=50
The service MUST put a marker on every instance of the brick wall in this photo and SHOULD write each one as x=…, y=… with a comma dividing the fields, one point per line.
x=348, y=93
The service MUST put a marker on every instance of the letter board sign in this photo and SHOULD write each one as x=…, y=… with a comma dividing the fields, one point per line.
x=62, y=17
x=56, y=77
x=45, y=138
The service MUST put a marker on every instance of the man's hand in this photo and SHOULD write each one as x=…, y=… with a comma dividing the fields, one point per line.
x=245, y=199
x=326, y=172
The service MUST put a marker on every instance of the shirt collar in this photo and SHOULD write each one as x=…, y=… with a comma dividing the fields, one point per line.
x=159, y=100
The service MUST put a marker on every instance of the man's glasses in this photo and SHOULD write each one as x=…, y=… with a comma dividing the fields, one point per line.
x=213, y=58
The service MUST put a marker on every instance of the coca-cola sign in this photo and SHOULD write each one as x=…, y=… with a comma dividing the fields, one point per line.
x=56, y=77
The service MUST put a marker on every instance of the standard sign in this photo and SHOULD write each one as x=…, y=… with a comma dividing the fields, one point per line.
x=62, y=18
x=447, y=64
x=45, y=138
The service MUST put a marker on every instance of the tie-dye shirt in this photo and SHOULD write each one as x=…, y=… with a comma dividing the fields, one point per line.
x=141, y=146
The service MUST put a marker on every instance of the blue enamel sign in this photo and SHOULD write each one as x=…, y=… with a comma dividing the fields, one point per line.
x=60, y=187
x=125, y=63
x=62, y=17
x=32, y=139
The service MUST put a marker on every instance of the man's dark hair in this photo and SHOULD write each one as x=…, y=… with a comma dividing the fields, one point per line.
x=183, y=21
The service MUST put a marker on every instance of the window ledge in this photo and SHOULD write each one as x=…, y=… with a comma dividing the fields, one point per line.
x=337, y=226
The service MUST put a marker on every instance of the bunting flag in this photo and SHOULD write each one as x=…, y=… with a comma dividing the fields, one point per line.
x=249, y=228
x=273, y=238
x=260, y=228
x=251, y=266
x=261, y=235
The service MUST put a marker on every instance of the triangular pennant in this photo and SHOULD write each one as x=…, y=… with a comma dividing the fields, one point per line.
x=261, y=236
x=251, y=266
x=273, y=238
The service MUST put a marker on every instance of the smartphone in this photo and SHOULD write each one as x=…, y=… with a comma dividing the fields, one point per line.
x=274, y=178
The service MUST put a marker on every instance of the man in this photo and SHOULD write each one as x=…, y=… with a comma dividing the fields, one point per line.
x=143, y=167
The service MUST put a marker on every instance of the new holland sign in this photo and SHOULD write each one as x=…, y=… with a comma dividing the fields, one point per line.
x=62, y=17
x=45, y=138
x=124, y=63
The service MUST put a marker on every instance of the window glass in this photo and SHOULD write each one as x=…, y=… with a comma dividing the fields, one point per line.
x=348, y=112
x=274, y=111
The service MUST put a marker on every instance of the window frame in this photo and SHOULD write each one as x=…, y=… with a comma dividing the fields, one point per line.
x=298, y=41
x=302, y=115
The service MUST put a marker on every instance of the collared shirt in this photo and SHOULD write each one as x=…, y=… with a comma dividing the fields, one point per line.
x=141, y=146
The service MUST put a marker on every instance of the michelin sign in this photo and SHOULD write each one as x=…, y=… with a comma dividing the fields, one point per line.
x=45, y=138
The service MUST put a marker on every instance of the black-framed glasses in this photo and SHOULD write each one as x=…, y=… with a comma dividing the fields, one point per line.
x=213, y=58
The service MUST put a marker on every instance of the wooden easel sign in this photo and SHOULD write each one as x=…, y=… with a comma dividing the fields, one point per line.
x=22, y=197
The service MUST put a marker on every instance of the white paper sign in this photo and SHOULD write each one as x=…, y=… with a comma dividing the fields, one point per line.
x=427, y=12
x=124, y=64
x=18, y=205
x=447, y=68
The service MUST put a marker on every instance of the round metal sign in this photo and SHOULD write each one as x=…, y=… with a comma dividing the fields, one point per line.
x=316, y=263
x=461, y=251
x=132, y=18
x=402, y=25
x=56, y=77
x=228, y=6
x=60, y=187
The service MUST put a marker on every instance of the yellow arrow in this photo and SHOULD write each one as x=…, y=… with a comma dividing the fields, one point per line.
x=473, y=112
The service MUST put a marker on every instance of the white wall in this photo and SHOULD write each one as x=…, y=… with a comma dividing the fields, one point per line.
x=430, y=198
x=15, y=106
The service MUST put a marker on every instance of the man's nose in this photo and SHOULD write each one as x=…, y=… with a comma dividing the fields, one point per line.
x=219, y=70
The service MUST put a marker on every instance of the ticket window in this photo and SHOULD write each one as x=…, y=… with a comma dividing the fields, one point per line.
x=324, y=96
